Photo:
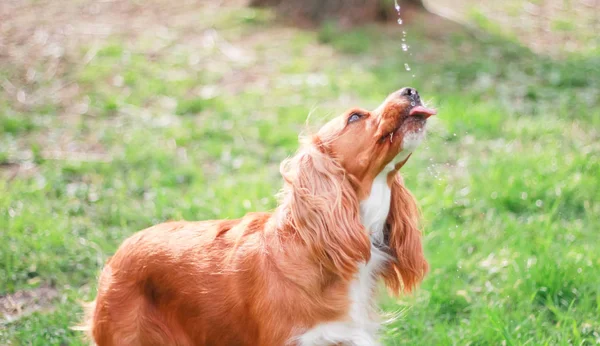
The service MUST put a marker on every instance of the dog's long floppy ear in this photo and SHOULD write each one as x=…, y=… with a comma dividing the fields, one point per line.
x=323, y=209
x=404, y=241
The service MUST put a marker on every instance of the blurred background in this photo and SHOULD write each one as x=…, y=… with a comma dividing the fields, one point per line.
x=115, y=115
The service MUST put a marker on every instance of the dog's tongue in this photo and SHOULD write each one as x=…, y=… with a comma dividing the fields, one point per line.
x=420, y=110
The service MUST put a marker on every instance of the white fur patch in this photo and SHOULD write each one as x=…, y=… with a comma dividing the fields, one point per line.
x=334, y=333
x=360, y=329
x=375, y=209
x=410, y=142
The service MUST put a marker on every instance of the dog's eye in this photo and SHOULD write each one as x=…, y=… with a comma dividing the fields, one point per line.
x=354, y=117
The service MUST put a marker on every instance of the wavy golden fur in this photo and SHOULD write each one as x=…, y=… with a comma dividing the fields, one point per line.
x=322, y=207
x=404, y=239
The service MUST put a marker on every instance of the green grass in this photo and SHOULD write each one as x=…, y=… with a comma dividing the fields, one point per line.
x=508, y=179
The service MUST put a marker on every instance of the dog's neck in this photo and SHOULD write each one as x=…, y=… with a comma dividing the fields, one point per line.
x=375, y=209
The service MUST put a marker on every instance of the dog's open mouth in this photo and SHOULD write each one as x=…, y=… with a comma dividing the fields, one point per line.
x=418, y=113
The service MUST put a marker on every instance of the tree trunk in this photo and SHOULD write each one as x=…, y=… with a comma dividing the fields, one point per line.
x=346, y=12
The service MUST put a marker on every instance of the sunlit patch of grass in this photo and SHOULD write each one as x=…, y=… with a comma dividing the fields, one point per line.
x=563, y=25
x=483, y=22
x=252, y=17
x=193, y=106
x=481, y=119
x=353, y=41
x=15, y=123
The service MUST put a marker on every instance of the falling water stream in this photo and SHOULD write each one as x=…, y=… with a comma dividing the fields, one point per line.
x=433, y=169
x=404, y=45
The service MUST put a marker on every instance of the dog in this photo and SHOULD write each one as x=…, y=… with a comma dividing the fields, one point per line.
x=304, y=274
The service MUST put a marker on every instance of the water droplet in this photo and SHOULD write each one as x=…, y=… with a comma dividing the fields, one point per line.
x=406, y=67
x=403, y=33
x=399, y=21
x=413, y=76
x=397, y=6
x=404, y=47
x=412, y=104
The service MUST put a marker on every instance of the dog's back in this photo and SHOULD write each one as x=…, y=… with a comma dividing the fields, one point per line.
x=166, y=281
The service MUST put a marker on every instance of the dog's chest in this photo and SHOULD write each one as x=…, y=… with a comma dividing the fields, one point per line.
x=373, y=211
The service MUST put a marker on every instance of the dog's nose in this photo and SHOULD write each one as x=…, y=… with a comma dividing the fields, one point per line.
x=410, y=93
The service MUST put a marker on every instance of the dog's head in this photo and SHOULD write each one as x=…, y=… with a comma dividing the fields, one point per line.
x=365, y=142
